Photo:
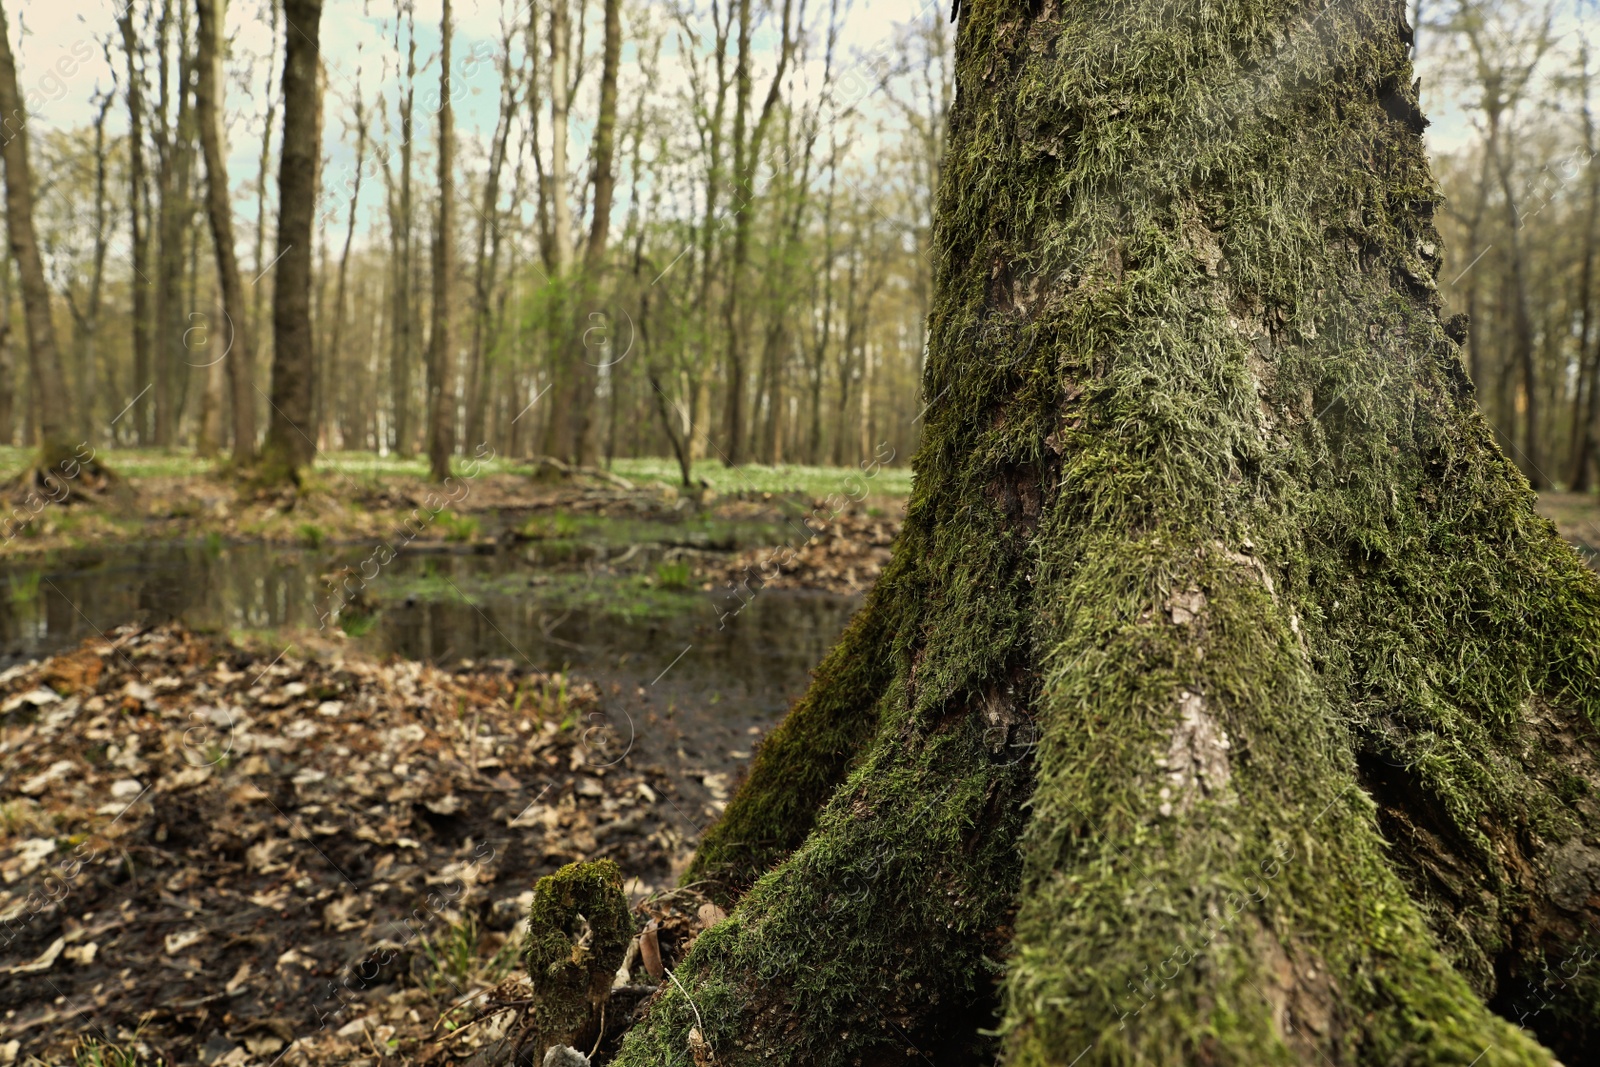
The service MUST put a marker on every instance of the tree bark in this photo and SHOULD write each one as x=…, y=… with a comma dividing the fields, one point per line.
x=1586, y=404
x=486, y=266
x=605, y=140
x=565, y=377
x=289, y=425
x=403, y=310
x=347, y=406
x=585, y=379
x=1225, y=701
x=139, y=236
x=441, y=350
x=219, y=209
x=53, y=412
x=86, y=319
x=263, y=170
x=746, y=163
x=8, y=365
x=175, y=211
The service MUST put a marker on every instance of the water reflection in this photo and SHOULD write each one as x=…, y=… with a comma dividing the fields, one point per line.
x=441, y=607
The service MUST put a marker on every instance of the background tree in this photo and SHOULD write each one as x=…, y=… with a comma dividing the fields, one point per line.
x=235, y=334
x=175, y=216
x=139, y=229
x=52, y=412
x=441, y=343
x=289, y=426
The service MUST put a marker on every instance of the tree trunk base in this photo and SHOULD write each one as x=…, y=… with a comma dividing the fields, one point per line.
x=550, y=469
x=62, y=475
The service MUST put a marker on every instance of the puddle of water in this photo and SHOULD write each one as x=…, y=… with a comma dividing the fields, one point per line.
x=684, y=689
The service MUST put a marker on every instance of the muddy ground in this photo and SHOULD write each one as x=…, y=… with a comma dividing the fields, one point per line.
x=211, y=855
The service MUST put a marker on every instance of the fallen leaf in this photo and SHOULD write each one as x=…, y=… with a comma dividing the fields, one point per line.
x=177, y=942
x=46, y=960
x=83, y=955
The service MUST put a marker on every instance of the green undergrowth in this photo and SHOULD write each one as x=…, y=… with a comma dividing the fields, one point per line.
x=334, y=469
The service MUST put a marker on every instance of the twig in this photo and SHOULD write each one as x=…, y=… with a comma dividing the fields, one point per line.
x=698, y=1021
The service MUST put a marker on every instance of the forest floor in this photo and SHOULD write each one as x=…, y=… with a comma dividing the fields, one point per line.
x=355, y=496
x=210, y=855
x=844, y=518
x=216, y=852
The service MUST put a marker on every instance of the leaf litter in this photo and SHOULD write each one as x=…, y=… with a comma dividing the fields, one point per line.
x=230, y=856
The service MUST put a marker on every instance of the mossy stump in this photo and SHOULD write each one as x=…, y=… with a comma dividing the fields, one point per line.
x=579, y=927
x=1226, y=701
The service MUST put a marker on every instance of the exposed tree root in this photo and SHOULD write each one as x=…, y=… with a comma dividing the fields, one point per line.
x=548, y=468
x=58, y=475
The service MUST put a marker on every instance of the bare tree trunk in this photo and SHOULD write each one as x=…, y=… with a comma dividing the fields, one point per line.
x=219, y=209
x=561, y=350
x=209, y=438
x=321, y=358
x=824, y=329
x=485, y=270
x=176, y=211
x=289, y=446
x=258, y=331
x=1522, y=340
x=53, y=411
x=342, y=395
x=441, y=350
x=403, y=310
x=604, y=178
x=746, y=162
x=1586, y=404
x=86, y=320
x=139, y=233
x=605, y=137
x=8, y=365
x=560, y=103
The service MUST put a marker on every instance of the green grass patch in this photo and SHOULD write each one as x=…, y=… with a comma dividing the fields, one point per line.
x=782, y=478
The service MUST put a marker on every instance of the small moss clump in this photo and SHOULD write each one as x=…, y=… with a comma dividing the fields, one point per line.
x=579, y=927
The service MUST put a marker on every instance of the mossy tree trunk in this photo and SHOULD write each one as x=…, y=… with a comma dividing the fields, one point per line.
x=1226, y=701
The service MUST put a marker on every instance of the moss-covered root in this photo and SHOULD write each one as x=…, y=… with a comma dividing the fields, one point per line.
x=1223, y=896
x=62, y=472
x=879, y=938
x=578, y=931
x=1475, y=735
x=803, y=761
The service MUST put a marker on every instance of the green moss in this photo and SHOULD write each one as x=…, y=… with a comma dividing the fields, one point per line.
x=804, y=760
x=579, y=927
x=457, y=527
x=1212, y=583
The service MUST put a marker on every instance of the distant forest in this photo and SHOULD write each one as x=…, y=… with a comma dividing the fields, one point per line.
x=685, y=229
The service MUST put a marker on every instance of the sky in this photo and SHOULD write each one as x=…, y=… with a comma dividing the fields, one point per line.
x=63, y=65
x=356, y=45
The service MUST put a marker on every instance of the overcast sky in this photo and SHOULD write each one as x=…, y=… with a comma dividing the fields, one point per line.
x=357, y=46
